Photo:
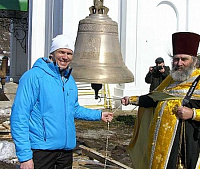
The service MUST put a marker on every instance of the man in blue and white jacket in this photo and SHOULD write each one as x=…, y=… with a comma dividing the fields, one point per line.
x=44, y=109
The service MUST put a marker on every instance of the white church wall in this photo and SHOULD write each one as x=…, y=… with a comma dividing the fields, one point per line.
x=193, y=19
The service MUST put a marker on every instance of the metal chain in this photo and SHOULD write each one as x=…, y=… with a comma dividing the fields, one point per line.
x=180, y=164
x=107, y=138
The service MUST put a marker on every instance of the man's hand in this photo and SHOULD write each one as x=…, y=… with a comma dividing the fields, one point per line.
x=27, y=165
x=162, y=70
x=151, y=69
x=184, y=113
x=107, y=116
x=125, y=100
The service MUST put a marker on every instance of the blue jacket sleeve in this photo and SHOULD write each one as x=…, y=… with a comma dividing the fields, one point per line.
x=25, y=98
x=86, y=113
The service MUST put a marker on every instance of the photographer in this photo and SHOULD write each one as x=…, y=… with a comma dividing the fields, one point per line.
x=157, y=73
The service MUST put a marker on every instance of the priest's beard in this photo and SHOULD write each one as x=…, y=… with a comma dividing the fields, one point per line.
x=182, y=75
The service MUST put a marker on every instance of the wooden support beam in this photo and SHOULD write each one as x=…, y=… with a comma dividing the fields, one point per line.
x=101, y=158
x=5, y=134
x=6, y=126
x=4, y=131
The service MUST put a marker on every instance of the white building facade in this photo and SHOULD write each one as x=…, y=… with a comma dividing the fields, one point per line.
x=145, y=29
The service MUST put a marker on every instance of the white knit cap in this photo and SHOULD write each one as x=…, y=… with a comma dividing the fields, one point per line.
x=62, y=41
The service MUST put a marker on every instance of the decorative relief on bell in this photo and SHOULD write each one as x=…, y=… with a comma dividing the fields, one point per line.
x=86, y=26
x=92, y=48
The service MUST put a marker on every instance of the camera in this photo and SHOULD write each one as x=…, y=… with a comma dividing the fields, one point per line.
x=157, y=68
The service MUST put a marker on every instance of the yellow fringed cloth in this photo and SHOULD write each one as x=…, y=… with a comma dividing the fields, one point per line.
x=155, y=128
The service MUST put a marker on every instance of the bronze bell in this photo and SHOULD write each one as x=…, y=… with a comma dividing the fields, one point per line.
x=97, y=55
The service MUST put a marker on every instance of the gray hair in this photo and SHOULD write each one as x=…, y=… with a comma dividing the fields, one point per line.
x=198, y=60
